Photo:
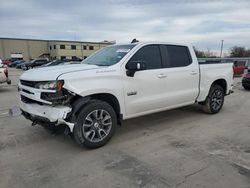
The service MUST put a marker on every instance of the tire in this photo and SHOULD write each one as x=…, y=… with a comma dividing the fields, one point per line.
x=215, y=100
x=246, y=87
x=95, y=124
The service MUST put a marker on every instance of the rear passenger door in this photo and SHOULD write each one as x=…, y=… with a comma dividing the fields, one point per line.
x=145, y=91
x=182, y=75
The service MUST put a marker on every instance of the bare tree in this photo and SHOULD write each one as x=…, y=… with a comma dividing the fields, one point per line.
x=202, y=54
x=239, y=51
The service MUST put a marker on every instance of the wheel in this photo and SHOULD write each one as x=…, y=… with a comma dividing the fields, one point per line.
x=215, y=100
x=95, y=124
x=246, y=87
x=8, y=81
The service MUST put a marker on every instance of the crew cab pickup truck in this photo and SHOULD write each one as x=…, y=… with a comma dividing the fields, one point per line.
x=121, y=82
x=4, y=77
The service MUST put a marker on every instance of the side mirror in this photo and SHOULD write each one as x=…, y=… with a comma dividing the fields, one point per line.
x=133, y=66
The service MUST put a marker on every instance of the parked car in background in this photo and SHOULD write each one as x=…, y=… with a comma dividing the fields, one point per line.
x=4, y=77
x=34, y=63
x=25, y=64
x=15, y=63
x=7, y=62
x=121, y=82
x=57, y=62
x=246, y=80
x=239, y=68
x=19, y=66
x=63, y=62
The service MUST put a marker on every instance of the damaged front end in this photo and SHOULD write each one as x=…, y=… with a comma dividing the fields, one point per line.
x=46, y=103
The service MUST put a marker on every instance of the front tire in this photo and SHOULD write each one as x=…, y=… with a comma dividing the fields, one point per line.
x=95, y=124
x=215, y=100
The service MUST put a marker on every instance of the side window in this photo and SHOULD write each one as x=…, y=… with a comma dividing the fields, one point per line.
x=178, y=56
x=150, y=55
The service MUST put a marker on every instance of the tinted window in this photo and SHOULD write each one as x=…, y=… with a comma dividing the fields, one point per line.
x=73, y=47
x=178, y=56
x=91, y=47
x=150, y=55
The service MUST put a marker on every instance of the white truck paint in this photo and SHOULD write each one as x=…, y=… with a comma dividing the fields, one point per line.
x=147, y=91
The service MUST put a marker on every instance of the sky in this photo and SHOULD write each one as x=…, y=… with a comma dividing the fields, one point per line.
x=202, y=23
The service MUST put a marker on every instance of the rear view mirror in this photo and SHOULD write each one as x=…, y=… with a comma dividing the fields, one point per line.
x=133, y=66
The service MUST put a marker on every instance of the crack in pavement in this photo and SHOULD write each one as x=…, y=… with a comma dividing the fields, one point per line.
x=189, y=175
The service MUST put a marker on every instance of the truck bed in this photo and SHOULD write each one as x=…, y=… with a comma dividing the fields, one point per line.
x=209, y=72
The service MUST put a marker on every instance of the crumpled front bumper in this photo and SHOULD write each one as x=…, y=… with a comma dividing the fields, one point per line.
x=46, y=113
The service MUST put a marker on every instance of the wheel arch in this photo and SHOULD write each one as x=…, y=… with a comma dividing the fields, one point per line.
x=221, y=82
x=79, y=102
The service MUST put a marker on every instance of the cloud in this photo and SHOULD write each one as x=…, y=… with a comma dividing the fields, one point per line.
x=201, y=23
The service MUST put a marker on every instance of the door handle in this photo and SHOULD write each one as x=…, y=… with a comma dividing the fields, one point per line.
x=193, y=73
x=162, y=76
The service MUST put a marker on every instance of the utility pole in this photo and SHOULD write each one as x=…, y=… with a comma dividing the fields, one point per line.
x=221, y=48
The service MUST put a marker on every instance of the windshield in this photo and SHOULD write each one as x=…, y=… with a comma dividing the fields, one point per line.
x=109, y=55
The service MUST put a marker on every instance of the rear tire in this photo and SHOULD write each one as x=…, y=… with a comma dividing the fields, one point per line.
x=95, y=124
x=215, y=100
x=246, y=87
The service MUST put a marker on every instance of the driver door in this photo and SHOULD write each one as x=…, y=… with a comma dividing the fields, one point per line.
x=144, y=92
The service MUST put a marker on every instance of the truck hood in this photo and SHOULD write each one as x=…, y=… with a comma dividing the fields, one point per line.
x=53, y=72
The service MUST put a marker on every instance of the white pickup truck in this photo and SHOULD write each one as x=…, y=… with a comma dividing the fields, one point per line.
x=121, y=82
x=4, y=77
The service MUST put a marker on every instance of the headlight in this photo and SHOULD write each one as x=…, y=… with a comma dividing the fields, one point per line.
x=50, y=85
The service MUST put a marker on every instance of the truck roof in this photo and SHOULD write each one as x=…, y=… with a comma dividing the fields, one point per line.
x=155, y=42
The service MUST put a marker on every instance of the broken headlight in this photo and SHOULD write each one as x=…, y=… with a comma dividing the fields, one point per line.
x=50, y=85
x=59, y=97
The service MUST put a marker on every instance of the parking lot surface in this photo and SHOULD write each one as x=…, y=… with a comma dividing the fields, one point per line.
x=177, y=148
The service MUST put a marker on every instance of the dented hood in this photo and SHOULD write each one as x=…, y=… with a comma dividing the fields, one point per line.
x=53, y=72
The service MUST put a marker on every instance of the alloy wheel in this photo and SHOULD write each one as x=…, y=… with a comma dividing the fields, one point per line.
x=97, y=125
x=217, y=100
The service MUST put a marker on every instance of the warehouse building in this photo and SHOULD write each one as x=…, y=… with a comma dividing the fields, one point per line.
x=28, y=49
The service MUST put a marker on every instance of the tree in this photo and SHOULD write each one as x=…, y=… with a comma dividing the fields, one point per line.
x=202, y=54
x=199, y=53
x=239, y=51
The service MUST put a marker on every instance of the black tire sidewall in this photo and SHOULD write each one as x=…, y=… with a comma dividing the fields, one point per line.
x=245, y=87
x=89, y=107
x=213, y=89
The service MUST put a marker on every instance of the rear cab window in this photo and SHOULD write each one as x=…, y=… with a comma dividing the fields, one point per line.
x=176, y=56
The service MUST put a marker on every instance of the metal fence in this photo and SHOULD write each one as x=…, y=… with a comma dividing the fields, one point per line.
x=246, y=60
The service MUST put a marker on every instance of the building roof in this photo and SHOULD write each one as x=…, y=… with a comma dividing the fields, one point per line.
x=102, y=42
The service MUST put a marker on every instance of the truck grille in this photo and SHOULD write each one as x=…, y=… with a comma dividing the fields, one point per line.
x=28, y=100
x=28, y=83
